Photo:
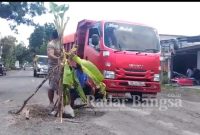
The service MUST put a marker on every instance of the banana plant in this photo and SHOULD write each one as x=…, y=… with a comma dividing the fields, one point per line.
x=70, y=79
x=92, y=71
x=60, y=23
x=59, y=18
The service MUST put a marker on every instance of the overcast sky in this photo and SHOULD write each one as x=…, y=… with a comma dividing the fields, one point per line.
x=181, y=18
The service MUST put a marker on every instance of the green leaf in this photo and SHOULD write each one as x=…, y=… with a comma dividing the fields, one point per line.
x=66, y=8
x=62, y=8
x=66, y=95
x=90, y=67
x=92, y=71
x=52, y=7
x=67, y=75
x=61, y=15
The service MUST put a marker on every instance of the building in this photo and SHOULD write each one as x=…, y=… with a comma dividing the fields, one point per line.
x=186, y=56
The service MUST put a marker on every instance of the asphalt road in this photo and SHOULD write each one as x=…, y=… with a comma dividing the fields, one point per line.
x=178, y=116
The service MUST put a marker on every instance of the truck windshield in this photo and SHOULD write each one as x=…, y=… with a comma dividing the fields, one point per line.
x=42, y=60
x=129, y=37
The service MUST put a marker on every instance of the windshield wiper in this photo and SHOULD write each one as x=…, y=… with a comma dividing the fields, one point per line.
x=145, y=50
x=133, y=50
x=138, y=51
x=154, y=50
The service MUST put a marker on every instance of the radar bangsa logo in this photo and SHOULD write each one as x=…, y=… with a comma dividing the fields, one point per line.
x=110, y=103
x=161, y=104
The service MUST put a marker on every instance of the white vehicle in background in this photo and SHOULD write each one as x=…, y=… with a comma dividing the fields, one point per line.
x=40, y=65
x=17, y=64
x=28, y=66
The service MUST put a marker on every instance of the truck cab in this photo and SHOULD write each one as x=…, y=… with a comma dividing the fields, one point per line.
x=127, y=54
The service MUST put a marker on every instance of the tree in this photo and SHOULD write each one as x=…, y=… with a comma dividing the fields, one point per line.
x=8, y=57
x=36, y=38
x=40, y=37
x=22, y=53
x=21, y=12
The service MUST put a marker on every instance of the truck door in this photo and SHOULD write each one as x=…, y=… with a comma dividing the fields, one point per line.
x=92, y=52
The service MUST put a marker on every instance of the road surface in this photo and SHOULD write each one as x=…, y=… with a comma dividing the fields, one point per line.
x=182, y=117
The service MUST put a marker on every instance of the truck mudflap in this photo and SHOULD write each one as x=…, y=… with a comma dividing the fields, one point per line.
x=131, y=86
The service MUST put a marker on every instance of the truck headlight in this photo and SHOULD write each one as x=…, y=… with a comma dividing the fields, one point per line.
x=109, y=74
x=156, y=77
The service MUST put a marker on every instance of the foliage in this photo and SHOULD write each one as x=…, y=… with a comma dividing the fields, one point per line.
x=21, y=12
x=12, y=52
x=22, y=53
x=40, y=37
x=59, y=18
x=60, y=24
x=36, y=38
x=165, y=79
x=8, y=57
x=92, y=71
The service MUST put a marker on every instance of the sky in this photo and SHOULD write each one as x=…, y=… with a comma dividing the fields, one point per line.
x=177, y=18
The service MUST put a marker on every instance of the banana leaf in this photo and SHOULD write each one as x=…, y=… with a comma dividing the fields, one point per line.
x=89, y=68
x=68, y=78
x=66, y=95
x=92, y=71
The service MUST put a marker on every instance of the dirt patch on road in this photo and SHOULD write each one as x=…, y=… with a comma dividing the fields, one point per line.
x=40, y=123
x=40, y=112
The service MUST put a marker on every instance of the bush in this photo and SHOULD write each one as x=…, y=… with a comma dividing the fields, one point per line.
x=165, y=79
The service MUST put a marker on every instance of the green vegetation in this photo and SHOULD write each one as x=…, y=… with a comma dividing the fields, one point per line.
x=39, y=38
x=165, y=79
x=11, y=51
x=21, y=12
x=69, y=78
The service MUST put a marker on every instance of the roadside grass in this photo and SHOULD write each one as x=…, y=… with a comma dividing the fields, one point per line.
x=171, y=88
x=168, y=87
x=193, y=90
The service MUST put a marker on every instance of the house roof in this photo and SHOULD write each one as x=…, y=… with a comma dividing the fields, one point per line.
x=172, y=35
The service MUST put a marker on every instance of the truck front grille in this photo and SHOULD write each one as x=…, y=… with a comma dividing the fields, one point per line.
x=134, y=70
x=134, y=74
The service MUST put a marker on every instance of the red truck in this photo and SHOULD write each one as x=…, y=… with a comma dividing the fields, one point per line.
x=128, y=54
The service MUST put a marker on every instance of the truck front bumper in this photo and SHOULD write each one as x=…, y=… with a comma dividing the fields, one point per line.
x=123, y=86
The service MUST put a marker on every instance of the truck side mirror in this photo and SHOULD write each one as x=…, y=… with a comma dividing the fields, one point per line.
x=95, y=39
